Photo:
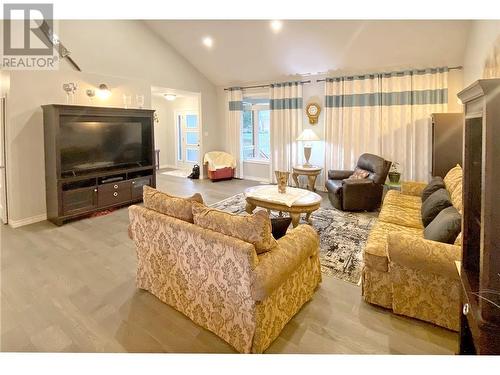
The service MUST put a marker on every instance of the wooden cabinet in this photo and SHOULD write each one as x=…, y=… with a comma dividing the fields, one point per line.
x=447, y=140
x=79, y=200
x=480, y=271
x=71, y=194
x=137, y=186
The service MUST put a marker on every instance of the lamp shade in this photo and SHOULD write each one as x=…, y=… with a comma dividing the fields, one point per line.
x=308, y=135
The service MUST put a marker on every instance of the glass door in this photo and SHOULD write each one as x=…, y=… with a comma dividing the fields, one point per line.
x=188, y=139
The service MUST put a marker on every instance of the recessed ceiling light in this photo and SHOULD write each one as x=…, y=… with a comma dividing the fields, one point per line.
x=208, y=42
x=170, y=97
x=276, y=25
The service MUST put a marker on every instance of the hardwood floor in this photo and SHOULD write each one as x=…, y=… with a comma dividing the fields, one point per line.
x=71, y=289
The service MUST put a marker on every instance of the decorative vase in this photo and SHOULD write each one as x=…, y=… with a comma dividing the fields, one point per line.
x=394, y=177
x=282, y=178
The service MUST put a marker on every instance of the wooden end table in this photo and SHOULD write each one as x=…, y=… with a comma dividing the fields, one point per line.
x=304, y=205
x=312, y=172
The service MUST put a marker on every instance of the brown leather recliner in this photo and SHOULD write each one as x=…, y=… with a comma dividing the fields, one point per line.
x=359, y=195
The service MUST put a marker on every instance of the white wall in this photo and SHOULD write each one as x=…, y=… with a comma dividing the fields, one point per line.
x=480, y=41
x=126, y=55
x=165, y=128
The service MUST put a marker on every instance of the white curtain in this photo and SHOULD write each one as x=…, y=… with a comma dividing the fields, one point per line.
x=387, y=114
x=286, y=124
x=429, y=95
x=352, y=115
x=234, y=107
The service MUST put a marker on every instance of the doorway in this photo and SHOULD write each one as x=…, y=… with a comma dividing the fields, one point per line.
x=178, y=130
x=187, y=139
x=3, y=177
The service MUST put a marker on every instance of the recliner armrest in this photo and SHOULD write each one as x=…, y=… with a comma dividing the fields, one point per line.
x=277, y=265
x=339, y=175
x=420, y=254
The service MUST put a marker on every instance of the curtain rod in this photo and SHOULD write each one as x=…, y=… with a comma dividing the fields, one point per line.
x=460, y=67
x=259, y=86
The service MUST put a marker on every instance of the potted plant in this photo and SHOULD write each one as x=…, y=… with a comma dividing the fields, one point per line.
x=394, y=173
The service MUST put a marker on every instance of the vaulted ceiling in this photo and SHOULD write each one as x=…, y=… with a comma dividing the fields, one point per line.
x=249, y=51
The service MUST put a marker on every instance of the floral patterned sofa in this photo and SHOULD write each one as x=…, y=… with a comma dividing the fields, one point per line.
x=403, y=271
x=219, y=281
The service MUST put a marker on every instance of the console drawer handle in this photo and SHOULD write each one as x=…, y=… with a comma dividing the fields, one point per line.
x=115, y=194
x=116, y=186
x=466, y=309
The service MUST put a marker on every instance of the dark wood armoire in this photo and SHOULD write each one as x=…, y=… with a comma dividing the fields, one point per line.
x=480, y=268
x=447, y=139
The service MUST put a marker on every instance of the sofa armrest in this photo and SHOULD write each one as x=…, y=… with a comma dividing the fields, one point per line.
x=276, y=266
x=420, y=254
x=414, y=188
x=339, y=175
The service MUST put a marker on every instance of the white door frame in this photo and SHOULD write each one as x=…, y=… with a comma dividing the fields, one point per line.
x=182, y=164
x=4, y=210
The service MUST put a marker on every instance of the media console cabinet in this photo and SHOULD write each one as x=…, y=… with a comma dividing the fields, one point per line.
x=75, y=194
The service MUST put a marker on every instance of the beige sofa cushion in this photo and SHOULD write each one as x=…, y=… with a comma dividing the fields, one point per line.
x=255, y=228
x=396, y=198
x=456, y=197
x=453, y=183
x=180, y=208
x=400, y=215
x=375, y=254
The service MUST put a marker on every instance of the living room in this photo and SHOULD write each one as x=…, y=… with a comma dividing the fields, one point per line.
x=257, y=185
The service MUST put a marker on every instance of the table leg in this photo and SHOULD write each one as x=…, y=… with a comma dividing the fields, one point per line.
x=295, y=177
x=308, y=218
x=295, y=219
x=250, y=207
x=312, y=182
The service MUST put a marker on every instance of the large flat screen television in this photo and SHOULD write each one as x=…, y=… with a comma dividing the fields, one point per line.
x=91, y=145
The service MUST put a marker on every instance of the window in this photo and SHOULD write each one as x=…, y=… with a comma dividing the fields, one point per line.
x=256, y=136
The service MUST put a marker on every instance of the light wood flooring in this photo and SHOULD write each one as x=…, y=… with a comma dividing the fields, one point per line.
x=71, y=289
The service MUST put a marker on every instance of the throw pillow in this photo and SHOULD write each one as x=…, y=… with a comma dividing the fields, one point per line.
x=180, y=208
x=435, y=184
x=453, y=178
x=445, y=227
x=359, y=174
x=279, y=226
x=433, y=205
x=255, y=228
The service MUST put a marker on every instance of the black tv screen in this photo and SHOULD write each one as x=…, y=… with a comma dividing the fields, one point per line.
x=87, y=145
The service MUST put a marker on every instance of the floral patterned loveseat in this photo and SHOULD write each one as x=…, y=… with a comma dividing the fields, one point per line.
x=220, y=282
x=403, y=271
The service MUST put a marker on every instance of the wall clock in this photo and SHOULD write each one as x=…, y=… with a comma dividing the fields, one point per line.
x=312, y=111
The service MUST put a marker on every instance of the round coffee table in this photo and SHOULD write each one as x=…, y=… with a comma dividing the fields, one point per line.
x=306, y=204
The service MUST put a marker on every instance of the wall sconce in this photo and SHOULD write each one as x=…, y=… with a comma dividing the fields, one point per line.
x=169, y=97
x=103, y=92
x=90, y=93
x=70, y=90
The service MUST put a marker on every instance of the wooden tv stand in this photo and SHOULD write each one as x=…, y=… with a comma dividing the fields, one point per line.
x=75, y=195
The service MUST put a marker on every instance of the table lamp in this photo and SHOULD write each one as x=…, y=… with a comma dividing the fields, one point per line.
x=307, y=136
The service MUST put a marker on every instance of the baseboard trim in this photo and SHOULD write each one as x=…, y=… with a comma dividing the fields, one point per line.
x=168, y=166
x=258, y=179
x=27, y=221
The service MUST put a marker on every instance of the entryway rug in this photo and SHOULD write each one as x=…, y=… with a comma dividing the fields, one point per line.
x=177, y=173
x=342, y=236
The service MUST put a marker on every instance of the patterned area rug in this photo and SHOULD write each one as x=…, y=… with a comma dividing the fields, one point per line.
x=342, y=236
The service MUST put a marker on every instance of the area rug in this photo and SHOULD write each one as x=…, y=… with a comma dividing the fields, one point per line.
x=342, y=236
x=177, y=173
